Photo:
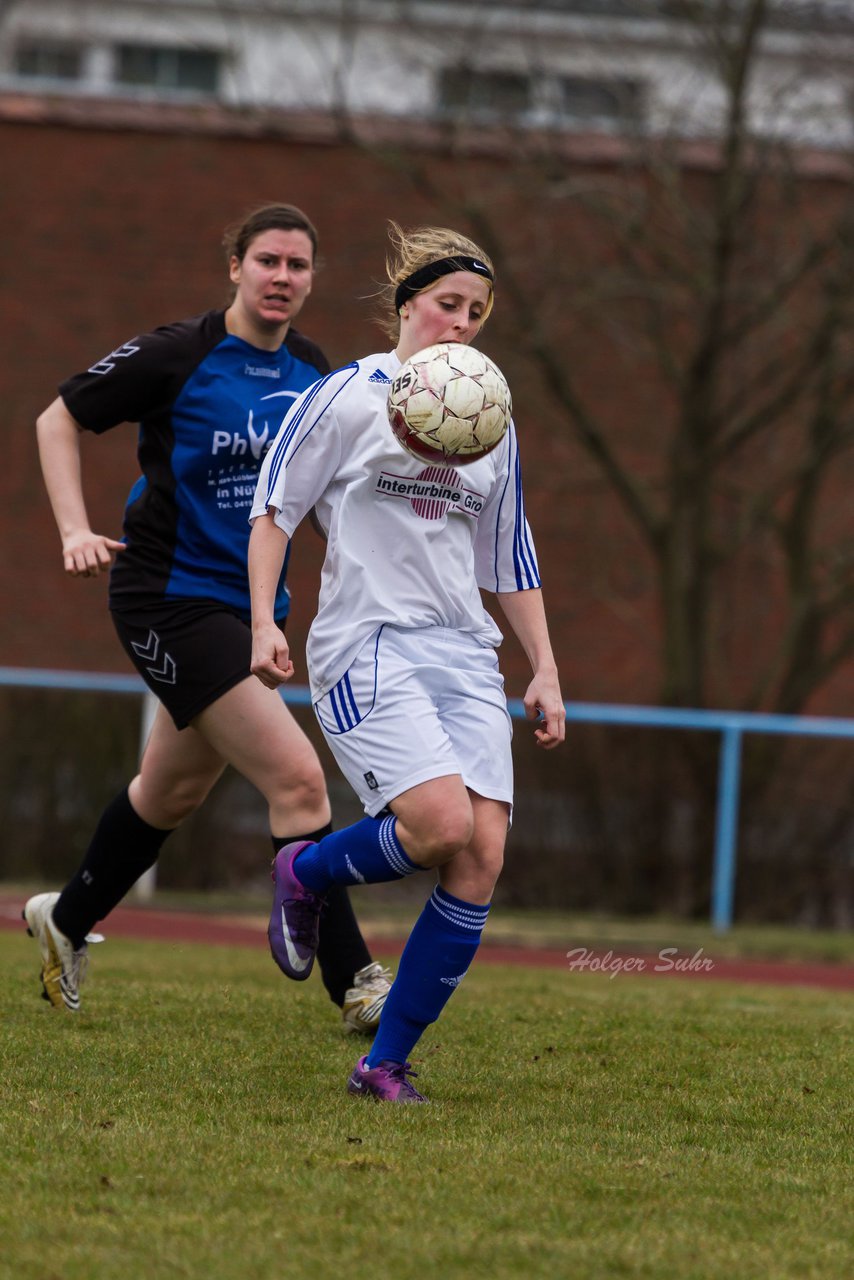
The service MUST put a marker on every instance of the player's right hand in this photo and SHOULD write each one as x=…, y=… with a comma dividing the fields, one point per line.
x=86, y=554
x=271, y=661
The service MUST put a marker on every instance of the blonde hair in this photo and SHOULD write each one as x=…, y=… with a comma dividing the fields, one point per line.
x=418, y=248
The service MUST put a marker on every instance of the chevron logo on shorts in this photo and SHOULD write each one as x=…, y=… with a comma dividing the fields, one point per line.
x=164, y=671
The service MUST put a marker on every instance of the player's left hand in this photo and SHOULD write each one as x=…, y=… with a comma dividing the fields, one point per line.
x=544, y=703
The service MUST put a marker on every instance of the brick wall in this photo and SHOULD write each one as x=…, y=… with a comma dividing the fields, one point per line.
x=110, y=231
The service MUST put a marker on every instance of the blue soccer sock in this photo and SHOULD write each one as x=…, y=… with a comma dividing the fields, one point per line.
x=369, y=852
x=435, y=960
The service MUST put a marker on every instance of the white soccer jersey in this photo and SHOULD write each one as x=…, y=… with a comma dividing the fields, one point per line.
x=409, y=543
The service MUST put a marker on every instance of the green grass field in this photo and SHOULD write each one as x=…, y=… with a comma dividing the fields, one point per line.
x=192, y=1122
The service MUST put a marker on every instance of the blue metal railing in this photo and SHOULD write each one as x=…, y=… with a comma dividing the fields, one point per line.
x=732, y=725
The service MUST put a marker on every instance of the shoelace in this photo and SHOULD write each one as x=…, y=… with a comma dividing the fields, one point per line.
x=378, y=980
x=80, y=958
x=304, y=913
x=79, y=965
x=400, y=1072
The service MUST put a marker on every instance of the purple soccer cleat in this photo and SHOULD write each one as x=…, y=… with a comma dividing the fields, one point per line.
x=386, y=1082
x=295, y=918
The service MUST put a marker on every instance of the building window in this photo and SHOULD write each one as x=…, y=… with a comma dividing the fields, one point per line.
x=587, y=101
x=37, y=61
x=172, y=70
x=484, y=94
x=540, y=100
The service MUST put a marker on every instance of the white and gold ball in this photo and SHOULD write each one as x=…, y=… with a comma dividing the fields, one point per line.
x=449, y=403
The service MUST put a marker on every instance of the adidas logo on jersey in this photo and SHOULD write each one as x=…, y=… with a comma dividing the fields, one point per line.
x=379, y=376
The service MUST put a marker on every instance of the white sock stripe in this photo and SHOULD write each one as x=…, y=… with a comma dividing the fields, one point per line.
x=470, y=909
x=472, y=921
x=474, y=925
x=463, y=918
x=391, y=850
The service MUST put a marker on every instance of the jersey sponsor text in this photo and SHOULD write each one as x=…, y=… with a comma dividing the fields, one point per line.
x=432, y=493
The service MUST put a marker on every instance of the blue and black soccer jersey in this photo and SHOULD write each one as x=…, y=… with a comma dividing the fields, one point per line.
x=208, y=405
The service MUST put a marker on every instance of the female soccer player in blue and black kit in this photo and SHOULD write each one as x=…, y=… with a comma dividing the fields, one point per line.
x=208, y=393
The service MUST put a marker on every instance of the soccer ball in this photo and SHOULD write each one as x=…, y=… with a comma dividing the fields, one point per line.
x=449, y=403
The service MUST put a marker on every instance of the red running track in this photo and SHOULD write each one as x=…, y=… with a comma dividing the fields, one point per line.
x=184, y=926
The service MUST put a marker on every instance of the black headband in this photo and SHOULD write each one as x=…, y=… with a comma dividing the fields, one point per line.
x=434, y=271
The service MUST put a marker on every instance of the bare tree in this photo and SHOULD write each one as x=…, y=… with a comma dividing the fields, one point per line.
x=712, y=276
x=727, y=271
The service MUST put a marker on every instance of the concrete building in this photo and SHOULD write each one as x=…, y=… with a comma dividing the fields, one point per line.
x=648, y=66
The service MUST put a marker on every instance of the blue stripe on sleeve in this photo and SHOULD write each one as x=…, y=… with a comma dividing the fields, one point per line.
x=284, y=437
x=527, y=574
x=498, y=524
x=525, y=570
x=295, y=420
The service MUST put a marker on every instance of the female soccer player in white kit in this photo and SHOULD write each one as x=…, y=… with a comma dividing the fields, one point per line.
x=401, y=655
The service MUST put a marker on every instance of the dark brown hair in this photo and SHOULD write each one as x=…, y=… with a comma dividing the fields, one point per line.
x=267, y=217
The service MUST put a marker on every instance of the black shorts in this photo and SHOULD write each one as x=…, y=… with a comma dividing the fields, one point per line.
x=188, y=652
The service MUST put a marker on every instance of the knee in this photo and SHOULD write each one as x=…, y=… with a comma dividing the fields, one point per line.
x=170, y=803
x=473, y=875
x=303, y=788
x=440, y=839
x=486, y=871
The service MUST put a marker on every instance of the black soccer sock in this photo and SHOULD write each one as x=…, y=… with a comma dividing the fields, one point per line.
x=341, y=950
x=122, y=848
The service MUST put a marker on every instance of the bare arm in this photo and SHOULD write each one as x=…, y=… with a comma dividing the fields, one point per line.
x=271, y=661
x=84, y=553
x=525, y=612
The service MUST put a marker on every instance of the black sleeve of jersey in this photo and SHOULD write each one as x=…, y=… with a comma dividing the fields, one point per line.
x=303, y=348
x=142, y=375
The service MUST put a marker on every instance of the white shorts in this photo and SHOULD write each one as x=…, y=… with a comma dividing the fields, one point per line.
x=415, y=705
